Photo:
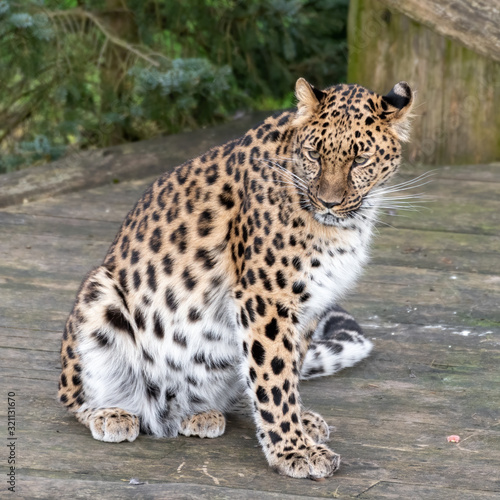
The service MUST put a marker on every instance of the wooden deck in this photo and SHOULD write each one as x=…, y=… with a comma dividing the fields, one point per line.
x=430, y=298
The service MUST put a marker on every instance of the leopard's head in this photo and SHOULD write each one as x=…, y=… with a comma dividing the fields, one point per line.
x=347, y=142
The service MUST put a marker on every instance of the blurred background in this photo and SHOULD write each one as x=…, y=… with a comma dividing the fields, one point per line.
x=79, y=74
x=84, y=74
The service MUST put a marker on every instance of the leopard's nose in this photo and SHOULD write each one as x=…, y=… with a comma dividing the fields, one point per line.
x=328, y=204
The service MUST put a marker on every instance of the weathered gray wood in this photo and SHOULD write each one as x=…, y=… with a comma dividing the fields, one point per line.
x=443, y=204
x=43, y=488
x=396, y=490
x=473, y=23
x=448, y=51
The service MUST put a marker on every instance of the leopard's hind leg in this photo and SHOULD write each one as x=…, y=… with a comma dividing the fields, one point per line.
x=338, y=342
x=111, y=424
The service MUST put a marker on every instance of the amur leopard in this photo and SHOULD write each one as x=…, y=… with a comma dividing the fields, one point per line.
x=224, y=278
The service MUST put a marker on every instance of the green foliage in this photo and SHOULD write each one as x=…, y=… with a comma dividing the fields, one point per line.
x=77, y=74
x=267, y=43
x=189, y=90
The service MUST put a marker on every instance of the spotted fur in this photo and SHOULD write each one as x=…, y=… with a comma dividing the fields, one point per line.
x=223, y=279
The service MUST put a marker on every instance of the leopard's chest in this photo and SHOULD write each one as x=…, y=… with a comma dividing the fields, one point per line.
x=340, y=264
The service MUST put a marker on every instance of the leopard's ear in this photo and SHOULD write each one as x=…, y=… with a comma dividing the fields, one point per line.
x=400, y=97
x=308, y=98
x=397, y=104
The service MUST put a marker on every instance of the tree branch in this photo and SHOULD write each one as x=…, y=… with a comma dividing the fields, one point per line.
x=83, y=14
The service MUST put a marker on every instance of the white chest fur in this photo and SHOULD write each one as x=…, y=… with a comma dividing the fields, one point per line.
x=341, y=260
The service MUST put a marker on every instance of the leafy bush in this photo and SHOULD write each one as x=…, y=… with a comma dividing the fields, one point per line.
x=77, y=74
x=267, y=43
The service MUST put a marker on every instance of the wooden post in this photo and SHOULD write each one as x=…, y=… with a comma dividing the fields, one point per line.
x=449, y=52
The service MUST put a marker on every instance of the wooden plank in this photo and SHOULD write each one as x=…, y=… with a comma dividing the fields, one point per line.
x=447, y=213
x=444, y=240
x=369, y=453
x=62, y=487
x=109, y=202
x=21, y=337
x=43, y=319
x=420, y=296
x=23, y=359
x=21, y=378
x=442, y=188
x=398, y=490
x=37, y=257
x=12, y=223
x=371, y=459
x=438, y=250
x=428, y=297
x=455, y=215
x=181, y=461
x=445, y=358
x=30, y=340
x=488, y=172
x=127, y=161
x=469, y=207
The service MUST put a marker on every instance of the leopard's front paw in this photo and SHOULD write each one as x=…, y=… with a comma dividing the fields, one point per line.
x=315, y=426
x=315, y=461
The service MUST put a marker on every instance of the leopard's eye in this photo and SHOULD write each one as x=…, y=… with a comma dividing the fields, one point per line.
x=314, y=155
x=361, y=160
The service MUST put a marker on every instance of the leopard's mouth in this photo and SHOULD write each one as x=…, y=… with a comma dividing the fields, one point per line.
x=330, y=219
x=345, y=218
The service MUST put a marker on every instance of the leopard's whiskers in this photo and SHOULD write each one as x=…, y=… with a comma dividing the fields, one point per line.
x=274, y=161
x=286, y=175
x=414, y=183
x=387, y=199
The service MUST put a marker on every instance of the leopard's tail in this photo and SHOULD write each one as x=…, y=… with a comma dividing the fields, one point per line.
x=338, y=342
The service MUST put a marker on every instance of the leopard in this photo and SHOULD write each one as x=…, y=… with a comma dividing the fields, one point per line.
x=224, y=281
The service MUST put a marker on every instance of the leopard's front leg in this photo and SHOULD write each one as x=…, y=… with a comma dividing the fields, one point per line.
x=273, y=359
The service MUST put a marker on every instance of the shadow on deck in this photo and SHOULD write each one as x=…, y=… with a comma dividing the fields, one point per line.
x=430, y=300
